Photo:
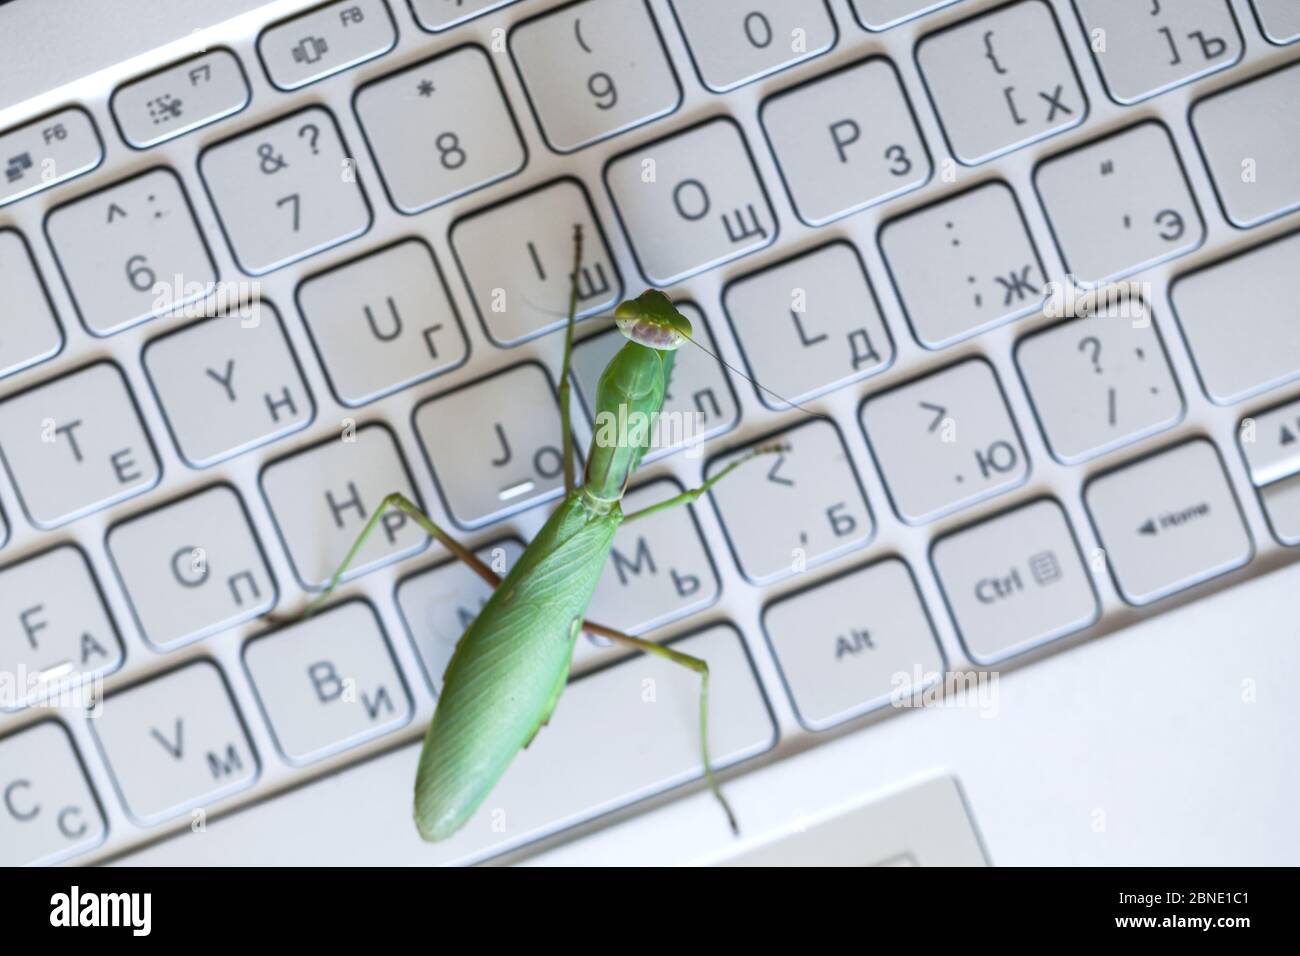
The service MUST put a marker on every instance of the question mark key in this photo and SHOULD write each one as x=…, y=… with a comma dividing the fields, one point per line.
x=285, y=190
x=1098, y=383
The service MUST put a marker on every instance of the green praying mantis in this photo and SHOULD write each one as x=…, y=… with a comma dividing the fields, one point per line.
x=511, y=665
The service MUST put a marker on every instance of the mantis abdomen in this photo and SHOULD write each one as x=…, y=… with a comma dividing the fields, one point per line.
x=511, y=666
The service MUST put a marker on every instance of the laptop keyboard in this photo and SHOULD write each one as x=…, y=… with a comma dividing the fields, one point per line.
x=255, y=285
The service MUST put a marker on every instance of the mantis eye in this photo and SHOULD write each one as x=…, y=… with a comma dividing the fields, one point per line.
x=652, y=320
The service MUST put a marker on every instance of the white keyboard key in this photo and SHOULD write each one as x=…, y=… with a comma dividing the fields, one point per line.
x=883, y=14
x=1099, y=383
x=1270, y=442
x=437, y=605
x=1152, y=47
x=855, y=643
x=325, y=41
x=945, y=441
x=286, y=190
x=846, y=141
x=1002, y=80
x=192, y=567
x=494, y=446
x=32, y=333
x=175, y=743
x=1259, y=348
x=964, y=265
x=818, y=306
x=321, y=498
x=49, y=811
x=594, y=69
x=793, y=510
x=658, y=572
x=699, y=403
x=75, y=444
x=1168, y=522
x=327, y=683
x=180, y=98
x=440, y=129
x=922, y=823
x=1281, y=501
x=734, y=42
x=691, y=201
x=1119, y=204
x=1279, y=19
x=59, y=634
x=131, y=251
x=46, y=152
x=1015, y=581
x=438, y=15
x=228, y=384
x=383, y=322
x=1250, y=138
x=517, y=259
x=579, y=767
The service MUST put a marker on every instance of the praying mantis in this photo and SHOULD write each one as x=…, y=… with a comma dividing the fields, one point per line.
x=511, y=664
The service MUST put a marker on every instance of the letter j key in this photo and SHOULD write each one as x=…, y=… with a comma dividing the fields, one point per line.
x=494, y=445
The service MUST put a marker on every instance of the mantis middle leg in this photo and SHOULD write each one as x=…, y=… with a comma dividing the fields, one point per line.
x=409, y=508
x=694, y=494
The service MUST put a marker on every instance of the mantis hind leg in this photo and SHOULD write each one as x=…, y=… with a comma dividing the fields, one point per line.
x=409, y=508
x=566, y=389
x=700, y=667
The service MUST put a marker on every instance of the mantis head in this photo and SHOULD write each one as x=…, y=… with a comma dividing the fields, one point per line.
x=652, y=320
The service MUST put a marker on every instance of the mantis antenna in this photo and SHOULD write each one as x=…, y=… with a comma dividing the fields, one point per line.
x=714, y=355
x=757, y=384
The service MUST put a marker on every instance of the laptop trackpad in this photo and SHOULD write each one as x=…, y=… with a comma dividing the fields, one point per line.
x=926, y=824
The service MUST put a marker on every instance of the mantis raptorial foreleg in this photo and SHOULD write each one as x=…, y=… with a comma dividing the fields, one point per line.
x=566, y=390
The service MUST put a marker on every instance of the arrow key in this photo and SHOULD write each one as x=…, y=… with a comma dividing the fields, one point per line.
x=1270, y=442
x=1168, y=522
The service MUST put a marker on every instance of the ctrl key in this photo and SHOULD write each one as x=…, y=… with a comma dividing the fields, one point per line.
x=1015, y=581
x=48, y=811
x=1168, y=522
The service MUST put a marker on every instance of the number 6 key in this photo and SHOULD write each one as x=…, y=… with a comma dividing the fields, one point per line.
x=131, y=251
